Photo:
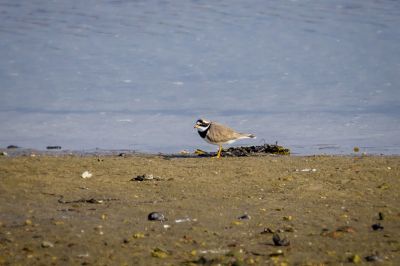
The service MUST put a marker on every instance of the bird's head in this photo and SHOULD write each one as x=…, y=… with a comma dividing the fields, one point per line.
x=202, y=125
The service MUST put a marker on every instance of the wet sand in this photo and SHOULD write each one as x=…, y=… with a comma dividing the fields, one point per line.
x=324, y=206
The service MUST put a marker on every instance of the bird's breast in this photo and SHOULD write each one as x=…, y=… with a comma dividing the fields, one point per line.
x=202, y=134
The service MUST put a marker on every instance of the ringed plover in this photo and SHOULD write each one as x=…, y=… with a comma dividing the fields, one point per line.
x=218, y=134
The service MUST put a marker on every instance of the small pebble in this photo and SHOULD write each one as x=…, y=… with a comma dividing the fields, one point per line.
x=381, y=216
x=86, y=174
x=47, y=244
x=244, y=217
x=372, y=258
x=377, y=226
x=156, y=216
x=278, y=241
x=145, y=177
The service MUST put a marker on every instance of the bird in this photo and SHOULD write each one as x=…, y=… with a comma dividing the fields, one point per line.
x=217, y=134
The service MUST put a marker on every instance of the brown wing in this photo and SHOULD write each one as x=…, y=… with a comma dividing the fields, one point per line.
x=219, y=133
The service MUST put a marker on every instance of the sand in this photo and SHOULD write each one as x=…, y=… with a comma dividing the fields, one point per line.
x=217, y=211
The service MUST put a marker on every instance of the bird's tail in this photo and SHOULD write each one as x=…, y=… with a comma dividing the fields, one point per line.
x=251, y=136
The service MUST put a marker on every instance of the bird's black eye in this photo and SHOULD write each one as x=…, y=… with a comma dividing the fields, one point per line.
x=202, y=123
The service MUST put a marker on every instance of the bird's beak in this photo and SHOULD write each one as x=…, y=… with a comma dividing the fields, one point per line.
x=196, y=126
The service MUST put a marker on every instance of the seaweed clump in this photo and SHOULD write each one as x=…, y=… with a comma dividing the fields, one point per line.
x=256, y=150
x=249, y=151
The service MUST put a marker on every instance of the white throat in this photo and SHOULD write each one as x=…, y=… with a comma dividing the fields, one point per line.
x=202, y=129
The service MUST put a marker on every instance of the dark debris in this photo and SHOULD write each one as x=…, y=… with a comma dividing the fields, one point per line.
x=377, y=227
x=53, y=147
x=244, y=217
x=156, y=216
x=373, y=258
x=250, y=150
x=278, y=241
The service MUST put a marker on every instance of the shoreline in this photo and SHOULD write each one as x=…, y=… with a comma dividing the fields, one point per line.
x=16, y=152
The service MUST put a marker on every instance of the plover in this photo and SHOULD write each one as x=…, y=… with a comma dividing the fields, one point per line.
x=218, y=134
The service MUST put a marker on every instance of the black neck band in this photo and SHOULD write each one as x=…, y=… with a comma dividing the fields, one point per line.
x=203, y=133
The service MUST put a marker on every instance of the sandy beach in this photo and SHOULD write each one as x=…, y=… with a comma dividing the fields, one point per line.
x=320, y=210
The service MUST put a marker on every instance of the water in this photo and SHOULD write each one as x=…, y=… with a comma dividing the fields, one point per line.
x=316, y=76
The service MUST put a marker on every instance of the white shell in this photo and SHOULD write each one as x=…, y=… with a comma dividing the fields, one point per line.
x=86, y=174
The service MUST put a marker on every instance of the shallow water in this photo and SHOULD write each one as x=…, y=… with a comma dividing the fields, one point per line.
x=316, y=76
